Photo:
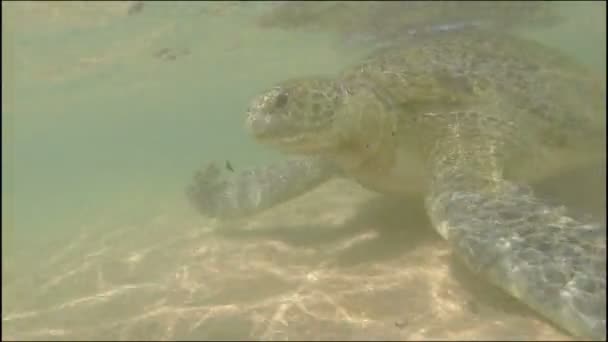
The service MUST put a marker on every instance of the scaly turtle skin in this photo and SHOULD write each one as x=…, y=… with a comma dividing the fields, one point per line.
x=467, y=120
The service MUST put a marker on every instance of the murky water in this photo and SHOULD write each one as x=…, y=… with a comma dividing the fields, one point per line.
x=107, y=110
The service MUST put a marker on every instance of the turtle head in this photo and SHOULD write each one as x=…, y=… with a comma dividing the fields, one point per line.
x=297, y=116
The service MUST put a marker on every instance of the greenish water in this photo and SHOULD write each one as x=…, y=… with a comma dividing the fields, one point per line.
x=98, y=130
x=129, y=130
x=127, y=133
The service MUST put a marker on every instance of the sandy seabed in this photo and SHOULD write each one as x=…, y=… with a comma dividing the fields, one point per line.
x=336, y=264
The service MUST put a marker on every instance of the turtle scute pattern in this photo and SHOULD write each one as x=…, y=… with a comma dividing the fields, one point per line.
x=479, y=116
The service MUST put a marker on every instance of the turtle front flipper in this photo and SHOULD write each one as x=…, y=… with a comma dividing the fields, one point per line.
x=552, y=262
x=215, y=193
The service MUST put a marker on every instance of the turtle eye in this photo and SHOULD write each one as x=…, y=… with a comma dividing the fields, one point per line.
x=281, y=100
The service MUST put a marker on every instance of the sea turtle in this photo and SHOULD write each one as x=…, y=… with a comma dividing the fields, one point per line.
x=468, y=120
